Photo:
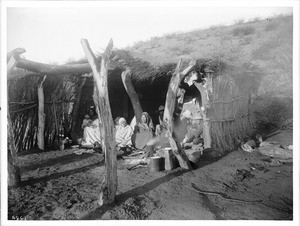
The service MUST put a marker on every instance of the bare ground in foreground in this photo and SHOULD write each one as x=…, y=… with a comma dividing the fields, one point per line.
x=63, y=185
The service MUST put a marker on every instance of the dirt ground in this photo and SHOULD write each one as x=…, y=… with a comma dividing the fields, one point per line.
x=63, y=185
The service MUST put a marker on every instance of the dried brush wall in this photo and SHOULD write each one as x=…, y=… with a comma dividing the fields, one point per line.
x=22, y=100
x=23, y=107
x=231, y=114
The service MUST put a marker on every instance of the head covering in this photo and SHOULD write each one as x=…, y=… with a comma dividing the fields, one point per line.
x=160, y=108
x=123, y=133
x=149, y=122
x=147, y=117
x=122, y=120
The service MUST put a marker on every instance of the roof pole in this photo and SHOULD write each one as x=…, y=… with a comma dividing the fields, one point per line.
x=127, y=82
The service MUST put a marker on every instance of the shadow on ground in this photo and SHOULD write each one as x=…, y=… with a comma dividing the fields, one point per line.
x=121, y=198
x=62, y=174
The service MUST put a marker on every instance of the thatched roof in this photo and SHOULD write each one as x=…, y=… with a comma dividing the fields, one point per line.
x=231, y=82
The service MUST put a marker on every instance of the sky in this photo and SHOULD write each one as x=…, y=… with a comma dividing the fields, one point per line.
x=52, y=34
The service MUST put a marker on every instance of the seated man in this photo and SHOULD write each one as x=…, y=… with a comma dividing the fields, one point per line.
x=123, y=134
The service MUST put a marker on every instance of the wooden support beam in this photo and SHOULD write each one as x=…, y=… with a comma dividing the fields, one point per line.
x=109, y=184
x=206, y=120
x=76, y=109
x=169, y=110
x=48, y=69
x=41, y=69
x=127, y=82
x=41, y=116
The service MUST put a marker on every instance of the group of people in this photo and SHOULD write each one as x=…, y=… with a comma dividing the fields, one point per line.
x=188, y=130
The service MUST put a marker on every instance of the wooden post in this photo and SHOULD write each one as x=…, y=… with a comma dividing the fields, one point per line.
x=76, y=109
x=169, y=110
x=206, y=119
x=41, y=116
x=109, y=184
x=126, y=79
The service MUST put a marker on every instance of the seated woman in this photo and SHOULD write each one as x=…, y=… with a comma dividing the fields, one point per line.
x=123, y=134
x=143, y=131
x=146, y=124
x=91, y=131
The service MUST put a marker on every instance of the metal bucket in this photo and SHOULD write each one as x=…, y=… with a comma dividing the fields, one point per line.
x=155, y=164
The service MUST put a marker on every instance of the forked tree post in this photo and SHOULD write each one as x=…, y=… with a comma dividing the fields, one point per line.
x=169, y=111
x=41, y=116
x=127, y=82
x=106, y=125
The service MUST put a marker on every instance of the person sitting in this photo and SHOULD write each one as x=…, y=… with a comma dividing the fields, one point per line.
x=158, y=128
x=146, y=124
x=86, y=121
x=91, y=131
x=123, y=134
x=143, y=132
x=194, y=134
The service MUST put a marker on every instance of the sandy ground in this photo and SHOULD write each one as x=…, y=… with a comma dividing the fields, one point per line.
x=63, y=185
